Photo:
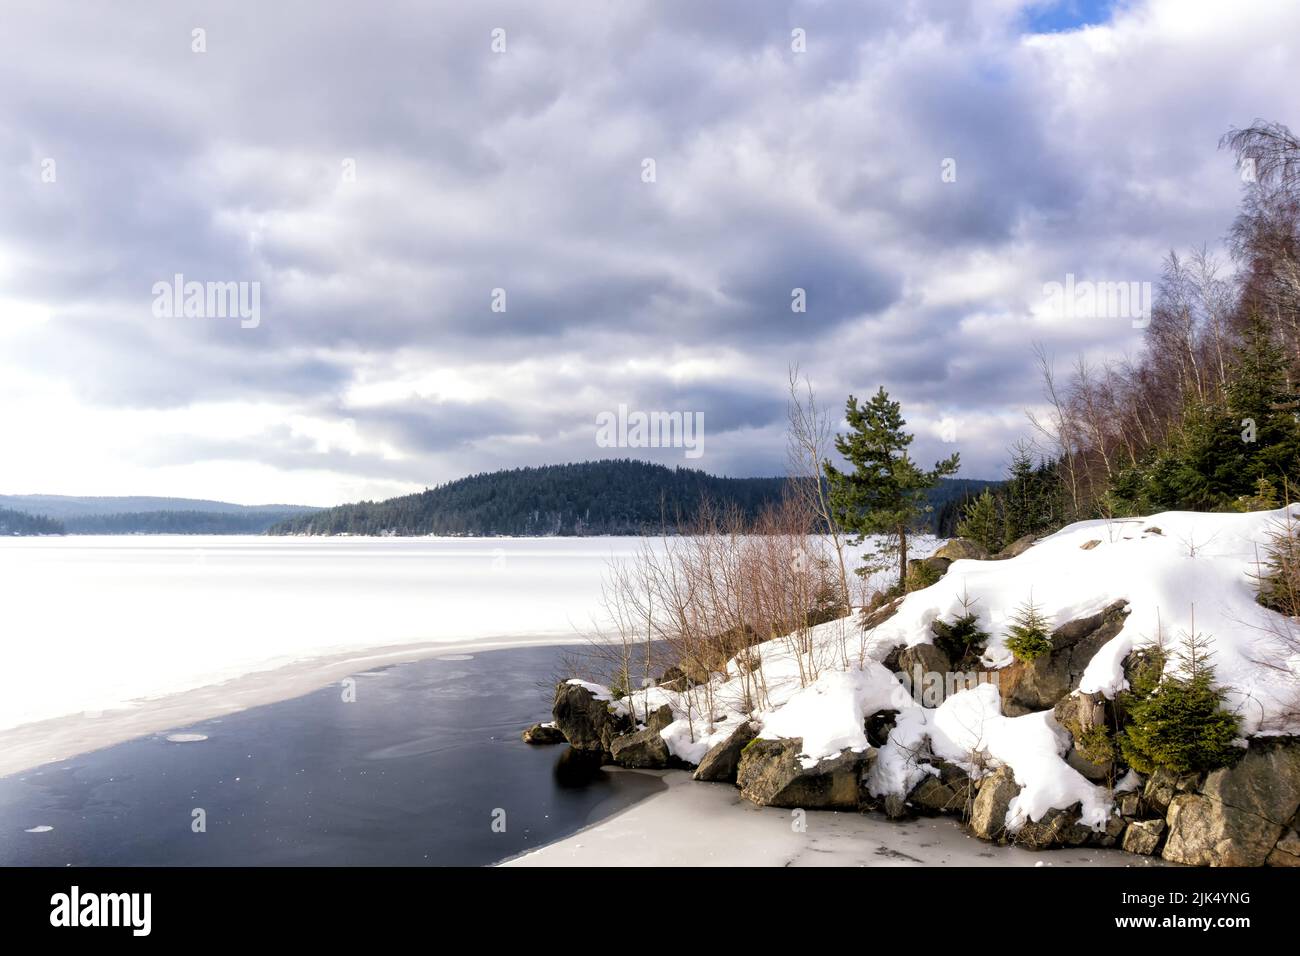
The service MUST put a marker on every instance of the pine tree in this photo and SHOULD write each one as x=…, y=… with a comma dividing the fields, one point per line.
x=1021, y=511
x=885, y=491
x=983, y=523
x=1258, y=393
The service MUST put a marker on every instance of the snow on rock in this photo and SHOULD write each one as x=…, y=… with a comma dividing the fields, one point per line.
x=969, y=730
x=830, y=714
x=1178, y=570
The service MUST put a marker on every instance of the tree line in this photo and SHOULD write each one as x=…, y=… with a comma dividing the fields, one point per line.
x=1205, y=417
x=617, y=496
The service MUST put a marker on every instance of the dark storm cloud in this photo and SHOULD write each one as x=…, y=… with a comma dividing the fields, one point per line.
x=523, y=171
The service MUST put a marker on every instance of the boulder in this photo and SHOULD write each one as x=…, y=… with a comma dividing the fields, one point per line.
x=948, y=791
x=929, y=658
x=1057, y=828
x=587, y=723
x=926, y=569
x=1205, y=832
x=1114, y=832
x=1016, y=548
x=1143, y=836
x=643, y=750
x=770, y=774
x=542, y=734
x=720, y=763
x=1129, y=804
x=660, y=719
x=895, y=806
x=874, y=617
x=674, y=679
x=1096, y=772
x=717, y=651
x=1287, y=851
x=1080, y=713
x=1028, y=686
x=963, y=549
x=988, y=818
x=1241, y=812
x=1265, y=781
x=1162, y=786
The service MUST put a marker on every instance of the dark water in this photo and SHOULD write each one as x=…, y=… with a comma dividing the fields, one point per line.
x=414, y=772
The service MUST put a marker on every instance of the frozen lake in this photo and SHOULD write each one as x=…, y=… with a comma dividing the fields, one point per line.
x=94, y=623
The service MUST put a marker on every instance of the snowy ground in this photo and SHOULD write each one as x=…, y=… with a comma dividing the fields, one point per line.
x=1180, y=572
x=704, y=824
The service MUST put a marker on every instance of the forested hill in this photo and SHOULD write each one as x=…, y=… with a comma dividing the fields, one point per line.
x=17, y=523
x=59, y=514
x=598, y=497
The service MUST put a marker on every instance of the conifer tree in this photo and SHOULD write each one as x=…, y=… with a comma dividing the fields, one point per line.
x=1181, y=725
x=884, y=492
x=1028, y=637
x=983, y=523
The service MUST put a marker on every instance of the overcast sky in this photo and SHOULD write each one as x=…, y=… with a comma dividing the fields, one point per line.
x=378, y=169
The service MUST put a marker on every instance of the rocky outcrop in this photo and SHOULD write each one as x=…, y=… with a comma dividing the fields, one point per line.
x=963, y=549
x=1028, y=686
x=722, y=761
x=988, y=818
x=660, y=719
x=927, y=569
x=770, y=774
x=1016, y=548
x=643, y=750
x=674, y=679
x=1143, y=836
x=1162, y=786
x=874, y=617
x=1056, y=828
x=948, y=791
x=1241, y=813
x=927, y=657
x=543, y=734
x=1287, y=851
x=1203, y=832
x=587, y=723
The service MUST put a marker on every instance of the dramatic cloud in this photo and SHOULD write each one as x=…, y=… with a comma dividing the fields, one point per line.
x=464, y=253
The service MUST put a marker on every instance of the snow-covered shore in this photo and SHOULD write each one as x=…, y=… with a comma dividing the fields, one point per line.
x=1118, y=586
x=698, y=824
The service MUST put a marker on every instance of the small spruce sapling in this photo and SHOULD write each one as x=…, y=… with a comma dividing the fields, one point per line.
x=1029, y=636
x=1181, y=726
x=962, y=640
